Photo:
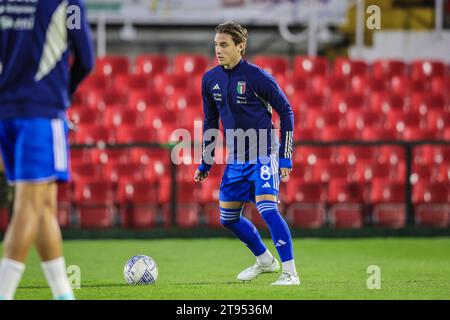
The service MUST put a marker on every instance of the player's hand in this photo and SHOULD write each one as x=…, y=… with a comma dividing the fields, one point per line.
x=199, y=175
x=285, y=172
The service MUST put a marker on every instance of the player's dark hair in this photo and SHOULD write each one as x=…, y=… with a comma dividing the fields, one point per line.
x=238, y=33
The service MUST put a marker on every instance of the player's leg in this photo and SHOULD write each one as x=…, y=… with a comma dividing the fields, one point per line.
x=49, y=247
x=267, y=180
x=10, y=270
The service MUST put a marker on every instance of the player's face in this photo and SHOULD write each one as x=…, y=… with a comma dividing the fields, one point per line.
x=227, y=53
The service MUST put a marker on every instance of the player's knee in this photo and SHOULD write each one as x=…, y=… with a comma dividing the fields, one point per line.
x=229, y=216
x=266, y=207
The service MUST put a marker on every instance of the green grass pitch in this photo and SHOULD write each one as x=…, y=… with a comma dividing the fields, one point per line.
x=411, y=268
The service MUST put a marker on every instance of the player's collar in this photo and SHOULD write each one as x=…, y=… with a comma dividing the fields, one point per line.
x=236, y=67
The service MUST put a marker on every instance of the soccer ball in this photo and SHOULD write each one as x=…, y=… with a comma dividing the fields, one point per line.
x=140, y=270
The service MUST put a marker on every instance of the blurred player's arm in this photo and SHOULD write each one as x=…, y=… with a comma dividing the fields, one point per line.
x=211, y=122
x=82, y=48
x=269, y=90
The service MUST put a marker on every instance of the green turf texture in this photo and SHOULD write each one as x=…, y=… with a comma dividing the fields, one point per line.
x=411, y=268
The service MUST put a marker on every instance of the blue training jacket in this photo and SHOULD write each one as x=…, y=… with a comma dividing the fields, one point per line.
x=36, y=39
x=243, y=98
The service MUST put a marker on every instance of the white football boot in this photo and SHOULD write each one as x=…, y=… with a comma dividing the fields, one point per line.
x=255, y=270
x=287, y=279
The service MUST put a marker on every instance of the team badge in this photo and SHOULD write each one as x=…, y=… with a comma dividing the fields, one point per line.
x=241, y=87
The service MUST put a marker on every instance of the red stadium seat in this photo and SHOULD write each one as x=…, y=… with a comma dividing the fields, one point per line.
x=360, y=119
x=108, y=156
x=116, y=117
x=190, y=64
x=129, y=171
x=101, y=99
x=305, y=102
x=133, y=134
x=87, y=171
x=404, y=85
x=438, y=121
x=4, y=219
x=91, y=134
x=337, y=134
x=349, y=68
x=432, y=204
x=151, y=64
x=388, y=68
x=272, y=64
x=182, y=100
x=141, y=100
x=388, y=208
x=138, y=203
x=310, y=66
x=440, y=85
x=79, y=156
x=346, y=203
x=112, y=65
x=423, y=69
x=423, y=103
x=84, y=115
x=291, y=85
x=323, y=84
x=167, y=84
x=417, y=134
x=125, y=83
x=94, y=202
x=378, y=134
x=344, y=102
x=211, y=215
x=364, y=85
x=306, y=204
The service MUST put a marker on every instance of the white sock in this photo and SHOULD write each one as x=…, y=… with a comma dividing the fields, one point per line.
x=11, y=272
x=289, y=267
x=265, y=258
x=55, y=272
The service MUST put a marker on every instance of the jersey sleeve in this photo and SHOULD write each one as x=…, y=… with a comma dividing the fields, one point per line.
x=269, y=90
x=210, y=128
x=81, y=45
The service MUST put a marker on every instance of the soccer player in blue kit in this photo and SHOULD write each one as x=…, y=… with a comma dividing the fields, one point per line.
x=243, y=95
x=36, y=82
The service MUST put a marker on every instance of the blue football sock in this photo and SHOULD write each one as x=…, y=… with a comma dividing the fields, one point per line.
x=243, y=229
x=279, y=229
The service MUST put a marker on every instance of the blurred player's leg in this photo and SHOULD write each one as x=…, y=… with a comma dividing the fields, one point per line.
x=19, y=237
x=48, y=244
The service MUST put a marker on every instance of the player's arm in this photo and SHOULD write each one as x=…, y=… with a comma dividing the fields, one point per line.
x=210, y=130
x=80, y=40
x=269, y=90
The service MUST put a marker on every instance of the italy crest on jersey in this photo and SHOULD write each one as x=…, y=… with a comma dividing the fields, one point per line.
x=241, y=87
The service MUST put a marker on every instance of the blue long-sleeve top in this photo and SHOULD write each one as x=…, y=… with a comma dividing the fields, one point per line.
x=243, y=98
x=36, y=40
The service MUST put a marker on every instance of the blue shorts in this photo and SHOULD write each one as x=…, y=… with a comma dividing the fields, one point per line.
x=243, y=182
x=35, y=149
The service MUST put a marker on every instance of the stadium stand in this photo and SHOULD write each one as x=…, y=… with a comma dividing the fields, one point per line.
x=341, y=186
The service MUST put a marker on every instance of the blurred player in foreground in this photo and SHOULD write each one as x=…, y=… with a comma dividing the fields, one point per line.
x=35, y=88
x=243, y=96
